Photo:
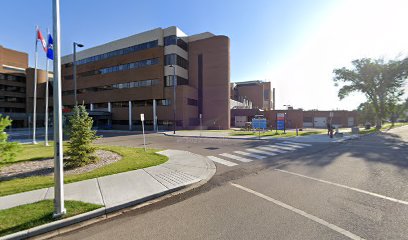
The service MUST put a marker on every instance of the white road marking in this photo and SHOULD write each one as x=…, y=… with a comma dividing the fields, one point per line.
x=222, y=161
x=289, y=145
x=251, y=155
x=261, y=152
x=238, y=158
x=272, y=149
x=346, y=187
x=282, y=147
x=300, y=144
x=300, y=212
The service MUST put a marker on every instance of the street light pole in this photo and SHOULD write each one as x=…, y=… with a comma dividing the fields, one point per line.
x=59, y=208
x=174, y=97
x=74, y=71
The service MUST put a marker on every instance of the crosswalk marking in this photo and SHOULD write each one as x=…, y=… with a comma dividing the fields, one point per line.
x=222, y=161
x=238, y=158
x=289, y=145
x=283, y=147
x=261, y=152
x=271, y=149
x=297, y=143
x=252, y=155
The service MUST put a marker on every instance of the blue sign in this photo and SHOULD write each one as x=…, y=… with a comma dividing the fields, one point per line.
x=280, y=121
x=281, y=125
x=259, y=123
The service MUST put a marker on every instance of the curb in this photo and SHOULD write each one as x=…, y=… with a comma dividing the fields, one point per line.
x=62, y=226
x=208, y=137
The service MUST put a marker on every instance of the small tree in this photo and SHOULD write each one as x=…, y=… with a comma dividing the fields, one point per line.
x=80, y=150
x=8, y=150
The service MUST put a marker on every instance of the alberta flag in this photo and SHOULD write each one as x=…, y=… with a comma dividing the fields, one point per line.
x=50, y=48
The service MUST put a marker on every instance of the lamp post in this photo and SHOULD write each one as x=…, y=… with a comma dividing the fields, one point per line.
x=74, y=70
x=174, y=97
x=59, y=207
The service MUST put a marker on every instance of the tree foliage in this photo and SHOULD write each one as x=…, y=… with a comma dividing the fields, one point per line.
x=8, y=150
x=80, y=150
x=380, y=81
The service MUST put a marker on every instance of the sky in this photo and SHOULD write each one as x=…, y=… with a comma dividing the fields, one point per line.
x=294, y=44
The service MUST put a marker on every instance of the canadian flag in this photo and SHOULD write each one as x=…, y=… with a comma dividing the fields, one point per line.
x=40, y=37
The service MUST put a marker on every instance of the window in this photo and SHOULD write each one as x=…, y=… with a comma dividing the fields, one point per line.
x=135, y=48
x=192, y=102
x=170, y=40
x=143, y=83
x=164, y=102
x=174, y=59
x=174, y=40
x=168, y=81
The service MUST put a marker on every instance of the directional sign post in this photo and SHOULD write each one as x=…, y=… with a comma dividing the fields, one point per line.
x=144, y=138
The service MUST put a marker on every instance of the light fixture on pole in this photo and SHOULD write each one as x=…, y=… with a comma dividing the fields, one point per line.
x=174, y=97
x=59, y=208
x=74, y=70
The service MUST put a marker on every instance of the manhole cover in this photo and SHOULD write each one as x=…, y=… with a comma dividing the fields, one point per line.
x=211, y=148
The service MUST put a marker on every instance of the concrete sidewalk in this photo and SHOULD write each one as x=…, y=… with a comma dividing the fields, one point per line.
x=128, y=188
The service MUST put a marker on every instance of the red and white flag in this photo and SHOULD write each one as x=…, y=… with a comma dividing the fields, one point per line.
x=42, y=40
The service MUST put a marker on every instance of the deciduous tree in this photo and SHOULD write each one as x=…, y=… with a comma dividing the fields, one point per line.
x=380, y=81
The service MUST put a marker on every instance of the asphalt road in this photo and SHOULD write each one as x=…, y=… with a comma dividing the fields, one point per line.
x=352, y=190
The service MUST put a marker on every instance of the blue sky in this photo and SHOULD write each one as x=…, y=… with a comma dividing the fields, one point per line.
x=294, y=44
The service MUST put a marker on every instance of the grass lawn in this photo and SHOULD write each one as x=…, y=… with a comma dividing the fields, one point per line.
x=384, y=127
x=277, y=134
x=132, y=159
x=30, y=215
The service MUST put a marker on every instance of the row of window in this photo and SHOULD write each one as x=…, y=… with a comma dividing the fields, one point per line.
x=123, y=51
x=12, y=99
x=174, y=59
x=122, y=67
x=136, y=84
x=12, y=88
x=174, y=40
x=12, y=78
x=168, y=81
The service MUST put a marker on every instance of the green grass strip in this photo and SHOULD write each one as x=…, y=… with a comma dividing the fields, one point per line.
x=132, y=159
x=31, y=215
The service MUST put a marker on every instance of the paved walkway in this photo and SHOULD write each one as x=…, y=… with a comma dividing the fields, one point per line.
x=128, y=188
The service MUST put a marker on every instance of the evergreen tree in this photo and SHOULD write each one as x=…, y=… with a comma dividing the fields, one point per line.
x=80, y=150
x=8, y=150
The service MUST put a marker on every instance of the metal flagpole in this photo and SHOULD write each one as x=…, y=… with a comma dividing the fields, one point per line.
x=59, y=208
x=35, y=86
x=46, y=97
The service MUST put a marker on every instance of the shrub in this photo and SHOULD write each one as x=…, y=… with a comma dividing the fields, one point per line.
x=8, y=150
x=80, y=151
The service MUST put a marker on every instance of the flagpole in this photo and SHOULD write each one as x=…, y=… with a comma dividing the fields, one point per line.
x=59, y=208
x=46, y=97
x=35, y=86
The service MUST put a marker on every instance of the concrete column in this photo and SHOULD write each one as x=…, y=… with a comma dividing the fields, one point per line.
x=91, y=107
x=109, y=107
x=154, y=116
x=130, y=115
